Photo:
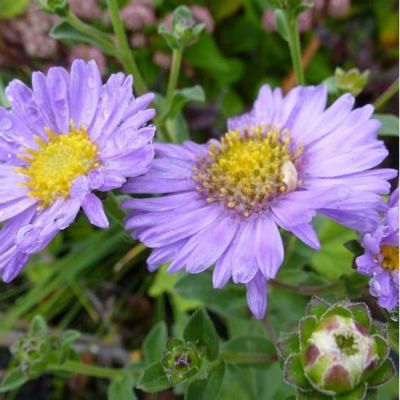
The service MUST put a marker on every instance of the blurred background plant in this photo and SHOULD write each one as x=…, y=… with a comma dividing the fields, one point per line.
x=96, y=282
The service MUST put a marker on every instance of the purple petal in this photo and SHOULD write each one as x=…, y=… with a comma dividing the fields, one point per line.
x=257, y=295
x=93, y=209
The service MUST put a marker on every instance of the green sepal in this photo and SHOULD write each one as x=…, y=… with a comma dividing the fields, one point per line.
x=358, y=393
x=294, y=374
x=312, y=396
x=354, y=247
x=340, y=309
x=383, y=374
x=316, y=307
x=382, y=348
x=361, y=314
x=307, y=326
x=288, y=344
x=379, y=328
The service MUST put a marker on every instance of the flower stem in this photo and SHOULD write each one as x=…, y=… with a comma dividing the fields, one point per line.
x=293, y=38
x=387, y=95
x=174, y=74
x=234, y=357
x=77, y=367
x=125, y=53
x=304, y=289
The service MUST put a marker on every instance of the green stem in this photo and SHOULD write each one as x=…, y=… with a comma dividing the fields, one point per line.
x=234, y=357
x=174, y=74
x=387, y=95
x=125, y=52
x=304, y=289
x=77, y=367
x=104, y=42
x=293, y=39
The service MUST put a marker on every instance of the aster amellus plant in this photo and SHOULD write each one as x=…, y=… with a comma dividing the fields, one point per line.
x=287, y=159
x=66, y=137
x=381, y=257
x=339, y=352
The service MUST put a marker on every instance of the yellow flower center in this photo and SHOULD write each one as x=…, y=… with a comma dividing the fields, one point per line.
x=246, y=171
x=390, y=257
x=54, y=166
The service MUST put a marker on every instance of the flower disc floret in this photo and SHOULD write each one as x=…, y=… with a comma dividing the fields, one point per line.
x=247, y=171
x=52, y=168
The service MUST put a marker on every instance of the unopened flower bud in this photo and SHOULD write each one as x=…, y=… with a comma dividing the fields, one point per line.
x=182, y=361
x=338, y=353
x=352, y=81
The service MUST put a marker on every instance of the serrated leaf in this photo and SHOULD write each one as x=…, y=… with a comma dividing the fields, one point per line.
x=390, y=124
x=12, y=380
x=288, y=344
x=205, y=389
x=154, y=345
x=361, y=314
x=121, y=388
x=201, y=330
x=306, y=328
x=153, y=379
x=316, y=307
x=383, y=374
x=294, y=374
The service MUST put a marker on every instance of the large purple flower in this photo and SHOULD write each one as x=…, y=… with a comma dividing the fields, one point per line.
x=381, y=257
x=276, y=167
x=61, y=140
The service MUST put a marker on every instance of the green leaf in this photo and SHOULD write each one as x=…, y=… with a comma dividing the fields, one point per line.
x=390, y=124
x=121, y=388
x=205, y=389
x=306, y=328
x=12, y=380
x=11, y=8
x=227, y=301
x=67, y=339
x=155, y=343
x=153, y=379
x=281, y=25
x=361, y=314
x=355, y=247
x=181, y=97
x=64, y=31
x=383, y=375
x=333, y=260
x=38, y=326
x=200, y=329
x=288, y=344
x=294, y=374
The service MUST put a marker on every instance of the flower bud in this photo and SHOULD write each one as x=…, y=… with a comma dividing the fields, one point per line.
x=337, y=351
x=184, y=30
x=337, y=354
x=58, y=7
x=181, y=362
x=352, y=81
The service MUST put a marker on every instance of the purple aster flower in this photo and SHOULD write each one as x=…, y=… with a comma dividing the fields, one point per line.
x=381, y=257
x=223, y=202
x=61, y=140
